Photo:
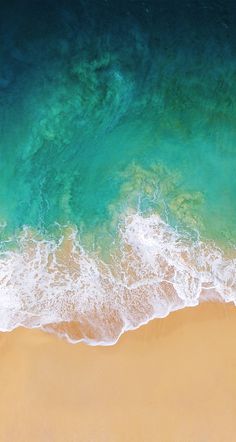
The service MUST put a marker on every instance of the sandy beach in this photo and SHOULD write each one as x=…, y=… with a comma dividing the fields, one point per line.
x=173, y=380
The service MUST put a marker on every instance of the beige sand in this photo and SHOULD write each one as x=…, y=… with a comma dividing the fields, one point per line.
x=172, y=380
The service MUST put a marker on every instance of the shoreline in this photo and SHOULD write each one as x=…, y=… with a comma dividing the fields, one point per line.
x=157, y=271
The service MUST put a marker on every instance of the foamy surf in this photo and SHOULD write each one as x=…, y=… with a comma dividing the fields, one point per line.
x=64, y=289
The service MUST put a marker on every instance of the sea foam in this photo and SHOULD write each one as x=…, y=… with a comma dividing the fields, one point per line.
x=62, y=288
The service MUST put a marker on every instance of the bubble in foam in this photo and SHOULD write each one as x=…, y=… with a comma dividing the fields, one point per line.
x=65, y=289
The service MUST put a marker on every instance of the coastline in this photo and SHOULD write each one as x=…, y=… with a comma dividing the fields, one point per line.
x=171, y=380
x=154, y=271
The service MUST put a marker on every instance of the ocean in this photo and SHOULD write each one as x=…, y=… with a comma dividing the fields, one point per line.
x=117, y=162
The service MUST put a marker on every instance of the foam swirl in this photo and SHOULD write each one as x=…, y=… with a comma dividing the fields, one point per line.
x=62, y=288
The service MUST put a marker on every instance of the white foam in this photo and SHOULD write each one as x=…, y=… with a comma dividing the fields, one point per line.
x=155, y=271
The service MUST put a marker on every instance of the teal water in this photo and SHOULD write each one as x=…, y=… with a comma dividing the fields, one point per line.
x=80, y=112
x=108, y=109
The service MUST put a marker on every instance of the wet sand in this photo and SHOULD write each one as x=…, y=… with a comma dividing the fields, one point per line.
x=173, y=380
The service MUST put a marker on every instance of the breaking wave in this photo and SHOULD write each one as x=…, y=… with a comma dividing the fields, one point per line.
x=64, y=289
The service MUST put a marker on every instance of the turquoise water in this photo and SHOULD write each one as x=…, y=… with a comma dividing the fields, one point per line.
x=77, y=114
x=110, y=109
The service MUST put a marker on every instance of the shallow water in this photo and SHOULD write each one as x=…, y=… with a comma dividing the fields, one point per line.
x=116, y=114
